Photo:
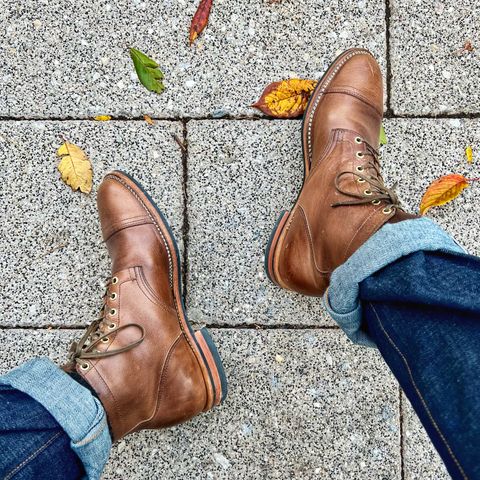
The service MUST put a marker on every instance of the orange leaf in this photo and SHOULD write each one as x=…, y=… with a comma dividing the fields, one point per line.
x=149, y=120
x=200, y=19
x=442, y=191
x=286, y=99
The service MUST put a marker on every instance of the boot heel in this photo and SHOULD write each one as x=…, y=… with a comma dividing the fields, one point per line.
x=215, y=367
x=272, y=243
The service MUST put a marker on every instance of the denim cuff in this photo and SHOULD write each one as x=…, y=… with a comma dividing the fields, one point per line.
x=391, y=242
x=73, y=406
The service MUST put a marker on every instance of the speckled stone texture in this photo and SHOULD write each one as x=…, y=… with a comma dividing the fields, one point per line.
x=421, y=460
x=52, y=259
x=430, y=73
x=302, y=405
x=70, y=59
x=421, y=150
x=241, y=175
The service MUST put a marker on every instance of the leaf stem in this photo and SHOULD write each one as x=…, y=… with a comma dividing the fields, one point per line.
x=471, y=180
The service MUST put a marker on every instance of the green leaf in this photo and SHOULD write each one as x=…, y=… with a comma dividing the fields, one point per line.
x=149, y=74
x=383, y=136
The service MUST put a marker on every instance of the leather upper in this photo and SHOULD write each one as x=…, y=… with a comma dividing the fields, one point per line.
x=160, y=381
x=344, y=126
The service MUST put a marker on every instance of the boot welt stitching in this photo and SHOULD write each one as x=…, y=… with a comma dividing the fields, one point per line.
x=425, y=406
x=170, y=261
x=321, y=93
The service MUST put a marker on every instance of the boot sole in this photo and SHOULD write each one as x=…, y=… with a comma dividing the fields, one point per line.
x=201, y=342
x=284, y=215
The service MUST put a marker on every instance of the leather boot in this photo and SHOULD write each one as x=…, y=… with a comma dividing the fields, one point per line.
x=344, y=200
x=142, y=358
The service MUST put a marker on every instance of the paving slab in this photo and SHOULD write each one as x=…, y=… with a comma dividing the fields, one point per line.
x=52, y=259
x=421, y=460
x=431, y=73
x=68, y=59
x=302, y=405
x=241, y=175
x=421, y=150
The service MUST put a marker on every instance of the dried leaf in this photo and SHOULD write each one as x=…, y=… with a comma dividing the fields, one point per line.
x=149, y=120
x=200, y=19
x=468, y=47
x=103, y=118
x=383, y=136
x=443, y=190
x=286, y=99
x=148, y=73
x=469, y=154
x=75, y=167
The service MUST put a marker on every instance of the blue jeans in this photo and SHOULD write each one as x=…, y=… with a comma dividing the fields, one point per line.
x=32, y=443
x=423, y=313
x=410, y=290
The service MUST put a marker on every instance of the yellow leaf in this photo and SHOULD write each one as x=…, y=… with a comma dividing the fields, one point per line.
x=286, y=99
x=469, y=154
x=75, y=167
x=149, y=120
x=103, y=118
x=443, y=190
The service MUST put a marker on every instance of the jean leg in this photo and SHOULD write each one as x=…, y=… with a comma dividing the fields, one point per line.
x=32, y=443
x=423, y=312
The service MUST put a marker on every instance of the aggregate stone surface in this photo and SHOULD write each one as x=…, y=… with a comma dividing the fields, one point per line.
x=301, y=405
x=68, y=59
x=432, y=73
x=53, y=262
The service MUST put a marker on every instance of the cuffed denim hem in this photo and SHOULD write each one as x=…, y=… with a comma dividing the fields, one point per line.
x=391, y=242
x=73, y=406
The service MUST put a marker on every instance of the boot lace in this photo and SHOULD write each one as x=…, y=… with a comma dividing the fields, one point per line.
x=369, y=173
x=100, y=331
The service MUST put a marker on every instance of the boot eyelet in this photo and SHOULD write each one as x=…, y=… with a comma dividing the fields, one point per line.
x=85, y=366
x=358, y=140
x=360, y=180
x=387, y=211
x=114, y=280
x=105, y=340
x=376, y=202
x=113, y=312
x=113, y=296
x=368, y=192
x=359, y=168
x=112, y=326
x=359, y=155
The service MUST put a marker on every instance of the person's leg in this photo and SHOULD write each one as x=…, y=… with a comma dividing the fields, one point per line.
x=64, y=414
x=411, y=291
x=423, y=312
x=32, y=442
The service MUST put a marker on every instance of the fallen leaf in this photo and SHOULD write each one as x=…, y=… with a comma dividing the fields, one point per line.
x=468, y=47
x=103, y=118
x=383, y=136
x=469, y=154
x=442, y=191
x=148, y=73
x=286, y=99
x=75, y=167
x=200, y=19
x=149, y=120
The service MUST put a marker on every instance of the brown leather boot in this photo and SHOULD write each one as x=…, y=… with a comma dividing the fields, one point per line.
x=343, y=200
x=148, y=367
